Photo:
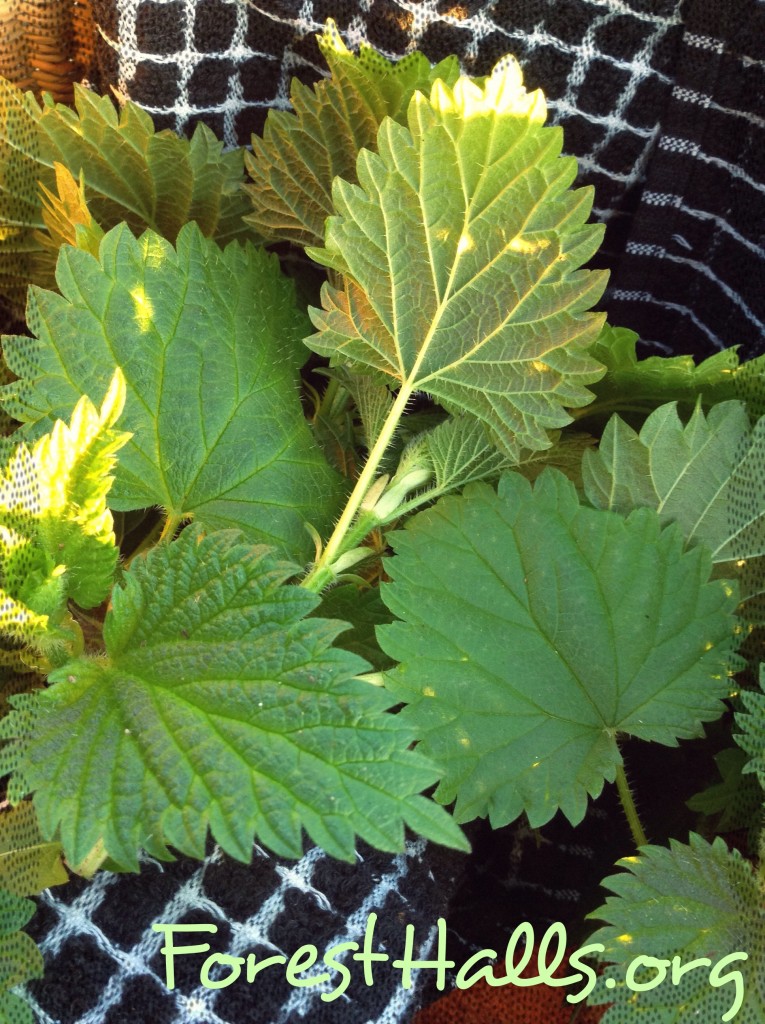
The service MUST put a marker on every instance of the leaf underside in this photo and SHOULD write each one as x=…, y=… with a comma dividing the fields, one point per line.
x=219, y=705
x=641, y=385
x=303, y=150
x=131, y=174
x=707, y=475
x=514, y=609
x=460, y=251
x=209, y=342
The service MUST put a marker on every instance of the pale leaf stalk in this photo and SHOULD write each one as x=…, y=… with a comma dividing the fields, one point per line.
x=630, y=810
x=321, y=573
x=172, y=522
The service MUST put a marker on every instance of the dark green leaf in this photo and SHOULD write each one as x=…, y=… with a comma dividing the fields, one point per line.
x=535, y=630
x=698, y=903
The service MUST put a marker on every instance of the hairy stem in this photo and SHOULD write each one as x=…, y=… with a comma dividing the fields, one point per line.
x=171, y=525
x=628, y=803
x=317, y=577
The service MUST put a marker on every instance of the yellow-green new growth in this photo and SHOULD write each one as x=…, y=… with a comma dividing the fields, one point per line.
x=56, y=532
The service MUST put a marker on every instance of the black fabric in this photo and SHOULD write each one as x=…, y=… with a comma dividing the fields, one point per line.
x=662, y=101
x=103, y=962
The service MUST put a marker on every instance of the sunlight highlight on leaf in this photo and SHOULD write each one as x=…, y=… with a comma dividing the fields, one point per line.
x=460, y=250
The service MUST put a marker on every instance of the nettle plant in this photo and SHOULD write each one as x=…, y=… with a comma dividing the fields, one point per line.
x=487, y=543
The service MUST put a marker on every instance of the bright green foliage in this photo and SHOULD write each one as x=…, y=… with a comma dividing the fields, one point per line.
x=301, y=152
x=68, y=221
x=637, y=386
x=218, y=704
x=696, y=901
x=75, y=462
x=20, y=959
x=209, y=343
x=460, y=250
x=514, y=659
x=56, y=533
x=131, y=174
x=706, y=475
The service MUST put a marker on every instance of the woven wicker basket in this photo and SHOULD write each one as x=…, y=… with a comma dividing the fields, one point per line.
x=46, y=45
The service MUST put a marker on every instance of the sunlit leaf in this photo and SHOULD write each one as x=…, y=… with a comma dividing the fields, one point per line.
x=303, y=150
x=209, y=342
x=130, y=173
x=460, y=251
x=56, y=533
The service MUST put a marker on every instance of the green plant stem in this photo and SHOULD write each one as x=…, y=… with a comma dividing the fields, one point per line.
x=628, y=803
x=148, y=542
x=328, y=398
x=168, y=530
x=320, y=575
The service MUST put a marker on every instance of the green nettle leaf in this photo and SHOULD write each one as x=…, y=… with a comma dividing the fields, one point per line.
x=22, y=257
x=68, y=221
x=300, y=154
x=363, y=608
x=752, y=724
x=706, y=475
x=131, y=173
x=219, y=704
x=520, y=660
x=56, y=533
x=75, y=527
x=20, y=959
x=28, y=864
x=209, y=342
x=737, y=799
x=372, y=399
x=458, y=452
x=637, y=386
x=460, y=250
x=697, y=906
